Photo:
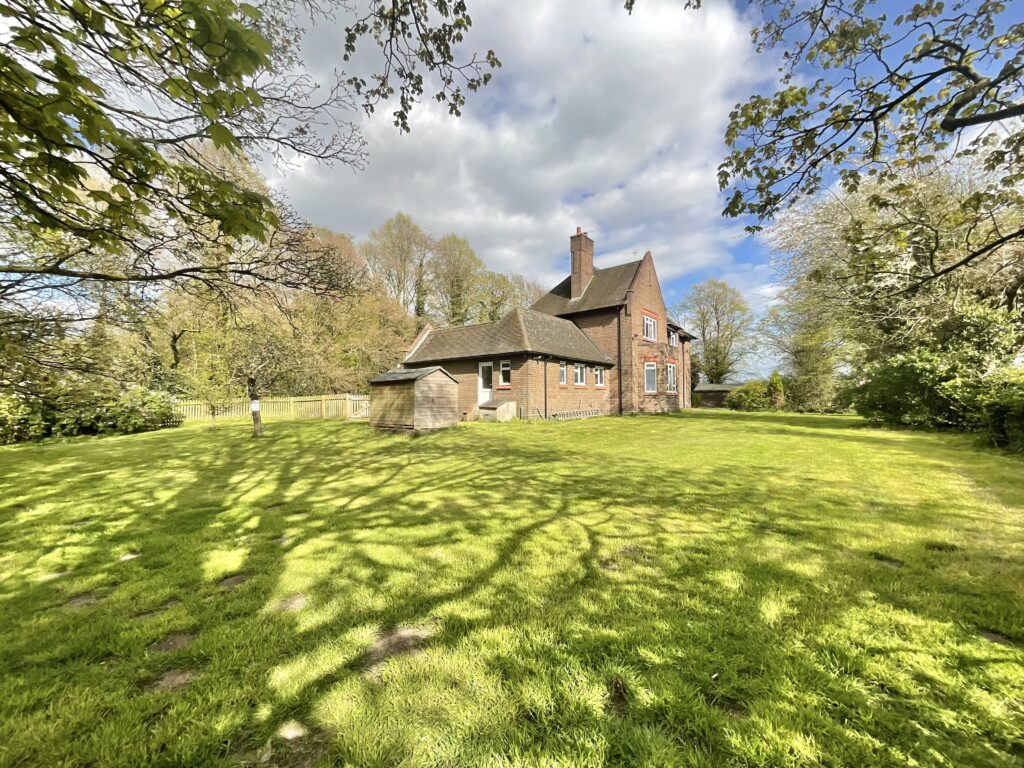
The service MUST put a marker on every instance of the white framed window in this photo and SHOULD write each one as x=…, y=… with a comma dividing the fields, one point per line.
x=650, y=378
x=599, y=377
x=561, y=373
x=671, y=379
x=650, y=328
x=673, y=339
x=580, y=376
x=505, y=373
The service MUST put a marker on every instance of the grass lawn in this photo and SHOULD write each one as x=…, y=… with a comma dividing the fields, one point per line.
x=703, y=589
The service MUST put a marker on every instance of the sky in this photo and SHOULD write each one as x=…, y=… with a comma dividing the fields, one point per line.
x=596, y=119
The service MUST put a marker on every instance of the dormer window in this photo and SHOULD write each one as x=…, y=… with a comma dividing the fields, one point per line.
x=650, y=328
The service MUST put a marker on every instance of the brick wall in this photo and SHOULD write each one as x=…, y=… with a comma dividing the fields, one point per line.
x=645, y=299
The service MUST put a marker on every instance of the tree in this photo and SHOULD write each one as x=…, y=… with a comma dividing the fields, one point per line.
x=721, y=319
x=934, y=84
x=924, y=353
x=503, y=292
x=107, y=103
x=456, y=276
x=397, y=253
x=808, y=339
x=776, y=390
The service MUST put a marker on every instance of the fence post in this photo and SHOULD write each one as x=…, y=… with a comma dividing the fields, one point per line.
x=291, y=407
x=346, y=408
x=323, y=407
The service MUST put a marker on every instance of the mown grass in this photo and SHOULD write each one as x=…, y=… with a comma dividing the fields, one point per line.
x=702, y=589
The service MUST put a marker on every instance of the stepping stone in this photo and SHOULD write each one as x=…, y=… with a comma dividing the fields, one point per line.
x=609, y=565
x=82, y=600
x=291, y=730
x=52, y=576
x=231, y=582
x=283, y=539
x=995, y=637
x=128, y=556
x=173, y=680
x=291, y=604
x=175, y=641
x=632, y=550
x=397, y=641
x=891, y=562
x=157, y=611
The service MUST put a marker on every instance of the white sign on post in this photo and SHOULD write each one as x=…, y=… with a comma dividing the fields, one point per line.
x=254, y=406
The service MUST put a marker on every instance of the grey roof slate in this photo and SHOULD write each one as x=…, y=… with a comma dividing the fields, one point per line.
x=520, y=331
x=607, y=288
x=715, y=387
x=396, y=375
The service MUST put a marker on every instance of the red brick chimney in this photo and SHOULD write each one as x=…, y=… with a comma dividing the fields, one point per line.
x=581, y=249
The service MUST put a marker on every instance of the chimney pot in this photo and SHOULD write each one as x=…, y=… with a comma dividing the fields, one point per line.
x=579, y=230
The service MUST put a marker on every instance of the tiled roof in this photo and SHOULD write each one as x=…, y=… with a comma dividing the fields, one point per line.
x=607, y=288
x=520, y=331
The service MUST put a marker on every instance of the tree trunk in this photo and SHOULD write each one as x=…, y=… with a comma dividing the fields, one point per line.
x=254, y=408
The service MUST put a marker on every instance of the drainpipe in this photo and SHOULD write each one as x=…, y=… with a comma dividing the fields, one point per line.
x=545, y=389
x=618, y=364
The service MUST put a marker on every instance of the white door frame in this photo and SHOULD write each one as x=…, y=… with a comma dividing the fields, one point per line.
x=480, y=397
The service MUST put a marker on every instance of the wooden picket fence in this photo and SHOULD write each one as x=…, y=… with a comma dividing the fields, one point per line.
x=344, y=406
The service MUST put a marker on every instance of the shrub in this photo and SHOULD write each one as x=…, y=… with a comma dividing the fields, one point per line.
x=1004, y=410
x=695, y=399
x=19, y=421
x=776, y=391
x=752, y=396
x=86, y=412
x=141, y=410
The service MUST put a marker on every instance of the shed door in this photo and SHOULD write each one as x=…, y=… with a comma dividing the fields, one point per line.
x=485, y=383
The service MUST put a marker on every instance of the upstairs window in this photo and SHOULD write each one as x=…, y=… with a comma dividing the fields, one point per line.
x=673, y=339
x=599, y=377
x=650, y=378
x=671, y=376
x=581, y=376
x=505, y=373
x=650, y=328
x=561, y=373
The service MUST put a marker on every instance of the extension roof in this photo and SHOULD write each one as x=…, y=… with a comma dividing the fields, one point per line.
x=520, y=331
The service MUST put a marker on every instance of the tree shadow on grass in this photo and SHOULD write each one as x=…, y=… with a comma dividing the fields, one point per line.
x=740, y=622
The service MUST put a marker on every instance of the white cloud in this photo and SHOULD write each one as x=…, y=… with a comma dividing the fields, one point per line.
x=597, y=119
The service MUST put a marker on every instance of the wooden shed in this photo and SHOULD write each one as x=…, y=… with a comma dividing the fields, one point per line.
x=713, y=395
x=415, y=399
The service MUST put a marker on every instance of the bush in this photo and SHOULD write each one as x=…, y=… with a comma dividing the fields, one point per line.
x=752, y=396
x=19, y=421
x=1004, y=410
x=695, y=399
x=86, y=412
x=136, y=410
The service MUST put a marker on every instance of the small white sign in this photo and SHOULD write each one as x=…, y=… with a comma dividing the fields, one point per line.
x=254, y=406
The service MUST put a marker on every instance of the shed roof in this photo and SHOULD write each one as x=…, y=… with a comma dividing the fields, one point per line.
x=715, y=387
x=397, y=375
x=520, y=331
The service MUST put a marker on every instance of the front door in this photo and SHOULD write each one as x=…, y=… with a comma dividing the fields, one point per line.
x=485, y=383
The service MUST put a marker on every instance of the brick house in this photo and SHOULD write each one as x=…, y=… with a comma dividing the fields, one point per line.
x=600, y=341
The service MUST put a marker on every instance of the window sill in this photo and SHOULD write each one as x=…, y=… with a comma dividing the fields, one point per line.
x=503, y=386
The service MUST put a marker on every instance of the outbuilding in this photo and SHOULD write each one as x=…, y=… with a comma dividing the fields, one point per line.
x=414, y=399
x=713, y=395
